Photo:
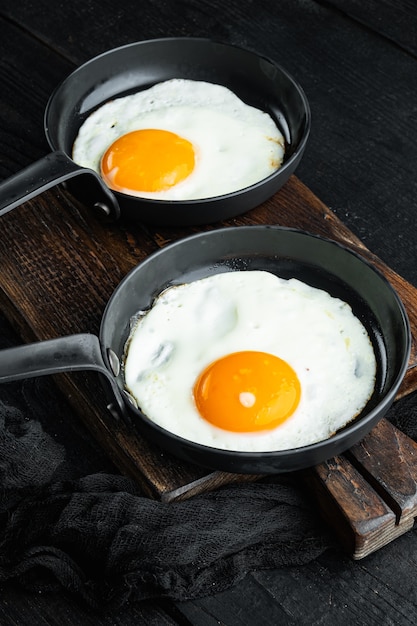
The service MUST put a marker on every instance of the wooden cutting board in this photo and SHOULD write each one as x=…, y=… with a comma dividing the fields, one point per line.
x=58, y=267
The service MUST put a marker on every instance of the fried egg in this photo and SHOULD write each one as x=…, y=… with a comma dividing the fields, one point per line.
x=179, y=140
x=248, y=361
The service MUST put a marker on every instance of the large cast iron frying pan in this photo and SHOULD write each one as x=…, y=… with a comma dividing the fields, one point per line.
x=285, y=252
x=257, y=80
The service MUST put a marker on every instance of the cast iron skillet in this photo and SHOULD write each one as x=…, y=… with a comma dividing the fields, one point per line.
x=285, y=252
x=257, y=80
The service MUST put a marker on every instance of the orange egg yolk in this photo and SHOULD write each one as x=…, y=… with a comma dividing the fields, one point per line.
x=247, y=391
x=147, y=160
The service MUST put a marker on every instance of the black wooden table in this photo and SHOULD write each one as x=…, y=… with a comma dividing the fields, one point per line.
x=357, y=63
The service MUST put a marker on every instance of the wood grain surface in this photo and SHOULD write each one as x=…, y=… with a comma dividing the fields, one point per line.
x=357, y=64
x=369, y=494
x=64, y=266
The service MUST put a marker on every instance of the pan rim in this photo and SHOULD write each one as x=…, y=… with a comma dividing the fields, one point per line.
x=288, y=164
x=358, y=424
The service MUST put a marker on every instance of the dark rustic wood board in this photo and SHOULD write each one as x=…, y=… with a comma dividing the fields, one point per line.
x=59, y=265
x=368, y=495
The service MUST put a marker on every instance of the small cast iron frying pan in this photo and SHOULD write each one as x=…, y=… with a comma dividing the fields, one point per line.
x=257, y=80
x=285, y=252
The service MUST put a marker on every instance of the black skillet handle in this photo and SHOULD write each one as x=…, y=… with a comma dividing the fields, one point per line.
x=64, y=354
x=49, y=171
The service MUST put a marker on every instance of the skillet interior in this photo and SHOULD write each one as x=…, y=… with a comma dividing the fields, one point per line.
x=287, y=253
x=257, y=80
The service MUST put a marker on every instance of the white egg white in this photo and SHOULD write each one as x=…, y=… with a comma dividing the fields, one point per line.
x=189, y=326
x=235, y=145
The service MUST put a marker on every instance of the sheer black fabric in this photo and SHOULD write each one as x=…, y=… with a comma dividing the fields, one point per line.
x=99, y=537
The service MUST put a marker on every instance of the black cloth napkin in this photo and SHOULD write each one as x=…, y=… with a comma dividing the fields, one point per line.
x=96, y=535
x=100, y=538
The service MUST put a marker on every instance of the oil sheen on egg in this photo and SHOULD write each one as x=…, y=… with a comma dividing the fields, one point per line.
x=248, y=361
x=179, y=140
